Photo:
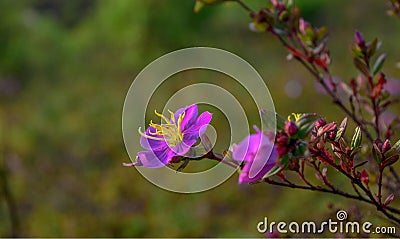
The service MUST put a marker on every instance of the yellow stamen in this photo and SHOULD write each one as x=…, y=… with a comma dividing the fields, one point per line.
x=295, y=116
x=181, y=116
x=148, y=136
x=172, y=116
x=162, y=116
x=171, y=130
x=157, y=127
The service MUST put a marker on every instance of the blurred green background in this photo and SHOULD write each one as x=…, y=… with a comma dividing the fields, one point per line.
x=65, y=67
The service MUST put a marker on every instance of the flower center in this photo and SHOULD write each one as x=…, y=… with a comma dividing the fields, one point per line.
x=170, y=130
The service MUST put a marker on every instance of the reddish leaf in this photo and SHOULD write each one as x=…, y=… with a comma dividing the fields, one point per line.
x=391, y=160
x=296, y=53
x=326, y=157
x=326, y=128
x=323, y=61
x=378, y=88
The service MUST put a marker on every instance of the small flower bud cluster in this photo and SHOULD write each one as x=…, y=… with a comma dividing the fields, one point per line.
x=365, y=100
x=285, y=139
x=385, y=154
x=284, y=20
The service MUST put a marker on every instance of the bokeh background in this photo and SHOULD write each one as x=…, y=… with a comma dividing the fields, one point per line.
x=65, y=67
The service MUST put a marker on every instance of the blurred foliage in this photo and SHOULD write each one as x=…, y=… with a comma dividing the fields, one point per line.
x=65, y=67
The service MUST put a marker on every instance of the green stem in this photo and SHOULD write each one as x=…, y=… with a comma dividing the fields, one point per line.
x=245, y=7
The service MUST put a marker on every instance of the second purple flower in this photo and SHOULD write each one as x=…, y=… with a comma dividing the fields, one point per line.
x=259, y=156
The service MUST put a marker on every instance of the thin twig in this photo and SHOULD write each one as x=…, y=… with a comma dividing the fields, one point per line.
x=326, y=182
x=314, y=188
x=214, y=156
x=380, y=185
x=355, y=188
x=379, y=206
x=245, y=7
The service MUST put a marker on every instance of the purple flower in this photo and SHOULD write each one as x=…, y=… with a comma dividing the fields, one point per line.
x=172, y=138
x=359, y=39
x=258, y=154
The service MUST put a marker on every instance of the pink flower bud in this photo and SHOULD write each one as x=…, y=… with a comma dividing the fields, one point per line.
x=291, y=128
x=282, y=150
x=389, y=199
x=386, y=146
x=320, y=123
x=379, y=145
x=303, y=25
x=359, y=39
x=282, y=139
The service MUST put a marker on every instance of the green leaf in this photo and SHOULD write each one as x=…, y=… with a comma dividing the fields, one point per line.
x=357, y=53
x=300, y=149
x=378, y=64
x=361, y=66
x=271, y=119
x=276, y=169
x=306, y=123
x=341, y=130
x=343, y=144
x=396, y=146
x=285, y=160
x=373, y=48
x=376, y=153
x=395, y=150
x=356, y=140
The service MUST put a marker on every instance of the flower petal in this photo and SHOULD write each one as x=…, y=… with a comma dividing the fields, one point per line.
x=151, y=144
x=156, y=159
x=191, y=113
x=259, y=155
x=177, y=113
x=247, y=149
x=183, y=147
x=261, y=164
x=264, y=161
x=199, y=127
